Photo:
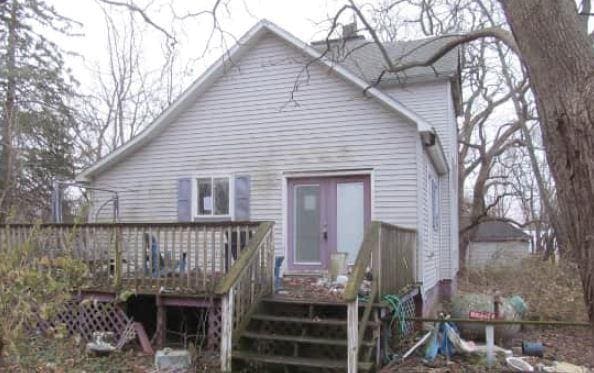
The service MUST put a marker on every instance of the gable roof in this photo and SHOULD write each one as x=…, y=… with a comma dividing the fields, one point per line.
x=364, y=58
x=220, y=67
x=498, y=231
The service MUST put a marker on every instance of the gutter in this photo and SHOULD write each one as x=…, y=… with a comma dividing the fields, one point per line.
x=434, y=149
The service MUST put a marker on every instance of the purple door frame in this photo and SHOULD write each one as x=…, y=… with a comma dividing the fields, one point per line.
x=328, y=216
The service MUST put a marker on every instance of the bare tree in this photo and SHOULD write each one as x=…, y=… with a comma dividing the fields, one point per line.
x=127, y=96
x=552, y=41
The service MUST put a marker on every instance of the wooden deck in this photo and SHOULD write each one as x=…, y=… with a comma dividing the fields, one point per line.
x=227, y=268
x=182, y=258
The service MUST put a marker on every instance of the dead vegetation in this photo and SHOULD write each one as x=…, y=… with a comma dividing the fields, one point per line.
x=552, y=291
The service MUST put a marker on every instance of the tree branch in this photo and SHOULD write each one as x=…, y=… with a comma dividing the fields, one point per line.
x=455, y=40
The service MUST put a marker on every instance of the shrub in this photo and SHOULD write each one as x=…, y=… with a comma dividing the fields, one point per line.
x=33, y=286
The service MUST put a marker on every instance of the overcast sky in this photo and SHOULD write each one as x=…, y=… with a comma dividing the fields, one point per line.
x=301, y=18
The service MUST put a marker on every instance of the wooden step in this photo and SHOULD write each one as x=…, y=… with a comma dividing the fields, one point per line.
x=299, y=320
x=301, y=339
x=297, y=361
x=317, y=302
x=305, y=302
x=304, y=320
x=295, y=338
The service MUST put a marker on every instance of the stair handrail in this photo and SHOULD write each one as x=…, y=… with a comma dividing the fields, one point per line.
x=368, y=252
x=368, y=246
x=248, y=280
x=247, y=256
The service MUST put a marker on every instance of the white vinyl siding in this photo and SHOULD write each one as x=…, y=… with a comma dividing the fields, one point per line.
x=429, y=239
x=433, y=101
x=507, y=253
x=246, y=124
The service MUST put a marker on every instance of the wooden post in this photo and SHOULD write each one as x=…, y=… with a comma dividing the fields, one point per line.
x=145, y=343
x=490, y=339
x=118, y=258
x=227, y=330
x=353, y=335
x=161, y=322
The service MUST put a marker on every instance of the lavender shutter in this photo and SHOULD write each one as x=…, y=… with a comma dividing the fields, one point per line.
x=184, y=199
x=242, y=198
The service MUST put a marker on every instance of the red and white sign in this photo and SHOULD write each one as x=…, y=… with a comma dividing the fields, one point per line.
x=482, y=315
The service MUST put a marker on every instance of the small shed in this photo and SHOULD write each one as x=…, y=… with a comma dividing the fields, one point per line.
x=497, y=243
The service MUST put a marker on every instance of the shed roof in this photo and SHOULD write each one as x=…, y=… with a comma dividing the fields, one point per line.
x=498, y=231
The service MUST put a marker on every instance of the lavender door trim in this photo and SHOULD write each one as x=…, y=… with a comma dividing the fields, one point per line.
x=327, y=202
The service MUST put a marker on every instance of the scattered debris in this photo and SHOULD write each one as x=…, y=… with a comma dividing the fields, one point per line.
x=342, y=280
x=518, y=364
x=416, y=345
x=171, y=360
x=102, y=344
x=313, y=288
x=563, y=367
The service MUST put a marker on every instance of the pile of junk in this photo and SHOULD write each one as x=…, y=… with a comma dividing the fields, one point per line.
x=476, y=316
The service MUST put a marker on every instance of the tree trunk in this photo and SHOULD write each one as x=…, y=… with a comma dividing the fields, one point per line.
x=559, y=59
x=7, y=154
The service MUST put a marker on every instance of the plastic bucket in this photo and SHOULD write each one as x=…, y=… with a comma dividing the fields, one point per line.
x=278, y=262
x=337, y=265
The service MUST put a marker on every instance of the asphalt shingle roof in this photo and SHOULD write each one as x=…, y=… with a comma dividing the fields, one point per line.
x=364, y=58
x=498, y=231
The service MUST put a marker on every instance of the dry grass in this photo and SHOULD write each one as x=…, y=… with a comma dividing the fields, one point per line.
x=552, y=291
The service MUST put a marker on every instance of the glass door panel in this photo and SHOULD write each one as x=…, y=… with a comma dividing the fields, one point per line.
x=307, y=224
x=350, y=218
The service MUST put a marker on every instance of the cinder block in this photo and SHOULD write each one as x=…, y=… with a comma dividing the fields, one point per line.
x=171, y=360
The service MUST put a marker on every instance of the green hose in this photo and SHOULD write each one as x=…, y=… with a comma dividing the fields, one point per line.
x=397, y=312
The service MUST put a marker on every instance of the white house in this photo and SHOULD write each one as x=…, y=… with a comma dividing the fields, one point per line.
x=276, y=130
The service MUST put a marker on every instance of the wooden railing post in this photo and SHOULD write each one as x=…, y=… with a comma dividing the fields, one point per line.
x=227, y=304
x=117, y=265
x=353, y=335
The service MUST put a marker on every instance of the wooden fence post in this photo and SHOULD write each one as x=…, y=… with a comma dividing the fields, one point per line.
x=353, y=335
x=160, y=334
x=227, y=330
x=117, y=265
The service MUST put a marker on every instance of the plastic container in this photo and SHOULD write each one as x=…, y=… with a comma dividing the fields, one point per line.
x=337, y=265
x=532, y=349
x=278, y=262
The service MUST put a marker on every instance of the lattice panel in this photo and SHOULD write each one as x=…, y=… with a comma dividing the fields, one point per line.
x=98, y=316
x=214, y=327
x=406, y=308
x=88, y=317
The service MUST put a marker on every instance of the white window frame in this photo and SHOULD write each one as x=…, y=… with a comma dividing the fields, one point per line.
x=195, y=213
x=434, y=203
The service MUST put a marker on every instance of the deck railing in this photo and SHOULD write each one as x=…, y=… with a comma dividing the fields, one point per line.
x=249, y=280
x=184, y=257
x=387, y=258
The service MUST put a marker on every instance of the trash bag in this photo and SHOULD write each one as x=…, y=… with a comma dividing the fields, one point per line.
x=513, y=308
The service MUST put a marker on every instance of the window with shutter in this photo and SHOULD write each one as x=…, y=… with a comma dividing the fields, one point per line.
x=213, y=197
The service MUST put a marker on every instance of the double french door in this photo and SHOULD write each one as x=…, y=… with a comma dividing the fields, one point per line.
x=326, y=215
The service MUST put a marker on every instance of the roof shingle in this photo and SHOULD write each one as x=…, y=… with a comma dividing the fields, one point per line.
x=364, y=58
